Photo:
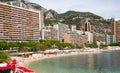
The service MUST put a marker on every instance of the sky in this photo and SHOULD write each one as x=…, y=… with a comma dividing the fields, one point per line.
x=105, y=8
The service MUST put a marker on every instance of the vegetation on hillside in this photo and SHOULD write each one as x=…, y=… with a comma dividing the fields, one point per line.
x=50, y=22
x=36, y=6
x=79, y=15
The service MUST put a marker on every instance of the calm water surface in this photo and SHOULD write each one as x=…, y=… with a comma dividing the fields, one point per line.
x=107, y=62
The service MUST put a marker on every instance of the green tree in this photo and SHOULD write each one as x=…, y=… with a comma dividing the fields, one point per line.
x=41, y=46
x=79, y=46
x=92, y=45
x=4, y=57
x=115, y=44
x=22, y=47
x=61, y=46
x=4, y=46
x=102, y=45
x=12, y=45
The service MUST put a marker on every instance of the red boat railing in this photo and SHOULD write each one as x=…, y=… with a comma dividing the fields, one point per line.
x=13, y=67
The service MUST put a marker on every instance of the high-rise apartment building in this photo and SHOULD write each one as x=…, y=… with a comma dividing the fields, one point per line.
x=116, y=31
x=98, y=37
x=19, y=24
x=88, y=26
x=62, y=29
x=109, y=39
x=49, y=33
x=73, y=28
x=75, y=38
x=90, y=37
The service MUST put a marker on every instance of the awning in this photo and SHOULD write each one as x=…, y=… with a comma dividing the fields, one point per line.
x=25, y=70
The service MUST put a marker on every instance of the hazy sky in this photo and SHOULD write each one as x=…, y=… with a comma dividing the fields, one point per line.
x=104, y=8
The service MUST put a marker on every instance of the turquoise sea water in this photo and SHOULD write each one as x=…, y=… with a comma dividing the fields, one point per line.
x=107, y=62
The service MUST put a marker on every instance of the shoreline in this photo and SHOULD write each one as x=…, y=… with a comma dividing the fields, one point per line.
x=25, y=62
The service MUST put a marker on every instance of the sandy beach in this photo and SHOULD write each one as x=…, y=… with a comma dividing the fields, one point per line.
x=26, y=61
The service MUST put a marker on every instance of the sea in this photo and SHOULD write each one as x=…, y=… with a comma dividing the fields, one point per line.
x=106, y=62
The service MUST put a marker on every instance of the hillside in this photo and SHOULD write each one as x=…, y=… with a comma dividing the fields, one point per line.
x=77, y=18
x=79, y=15
x=36, y=6
x=98, y=23
x=12, y=0
x=27, y=3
